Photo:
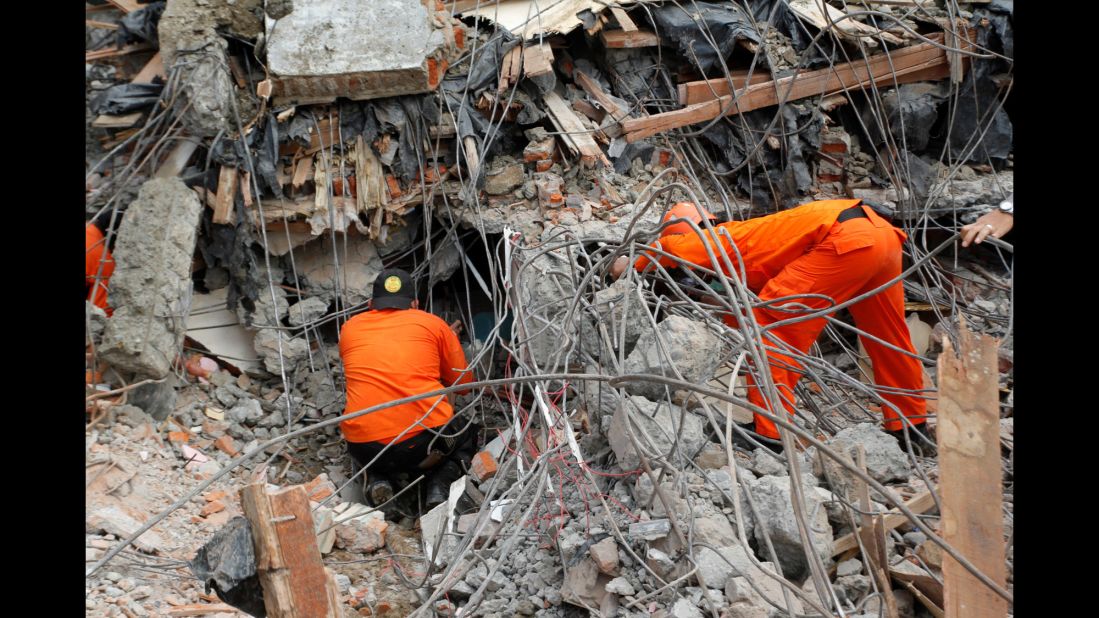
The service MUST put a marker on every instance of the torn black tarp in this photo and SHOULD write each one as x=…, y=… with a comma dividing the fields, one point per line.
x=979, y=113
x=140, y=25
x=227, y=565
x=126, y=98
x=910, y=113
x=704, y=33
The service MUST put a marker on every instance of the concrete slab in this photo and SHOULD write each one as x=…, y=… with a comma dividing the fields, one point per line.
x=325, y=49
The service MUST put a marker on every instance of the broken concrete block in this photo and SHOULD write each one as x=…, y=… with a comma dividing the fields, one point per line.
x=605, y=555
x=361, y=534
x=584, y=585
x=712, y=457
x=660, y=562
x=306, y=311
x=358, y=267
x=113, y=520
x=326, y=530
x=684, y=609
x=445, y=261
x=885, y=461
x=151, y=285
x=620, y=308
x=620, y=586
x=157, y=399
x=773, y=499
x=468, y=523
x=325, y=49
x=757, y=594
x=688, y=345
x=656, y=427
x=505, y=178
x=293, y=349
x=483, y=466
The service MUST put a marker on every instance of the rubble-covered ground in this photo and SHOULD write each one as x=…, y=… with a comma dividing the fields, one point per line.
x=255, y=194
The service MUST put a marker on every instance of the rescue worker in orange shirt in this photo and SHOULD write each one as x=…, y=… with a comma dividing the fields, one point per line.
x=837, y=248
x=390, y=352
x=96, y=251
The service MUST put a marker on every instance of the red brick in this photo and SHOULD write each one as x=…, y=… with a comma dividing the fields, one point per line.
x=226, y=445
x=320, y=488
x=539, y=151
x=211, y=496
x=483, y=466
x=543, y=166
x=179, y=436
x=213, y=507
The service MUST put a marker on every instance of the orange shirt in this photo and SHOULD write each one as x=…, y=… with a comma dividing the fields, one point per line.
x=95, y=248
x=391, y=354
x=766, y=244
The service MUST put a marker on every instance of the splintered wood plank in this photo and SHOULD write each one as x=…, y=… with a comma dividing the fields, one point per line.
x=880, y=69
x=575, y=134
x=302, y=171
x=596, y=92
x=623, y=19
x=509, y=68
x=288, y=562
x=538, y=60
x=617, y=39
x=872, y=534
x=970, y=475
x=121, y=121
x=152, y=69
x=177, y=159
x=224, y=212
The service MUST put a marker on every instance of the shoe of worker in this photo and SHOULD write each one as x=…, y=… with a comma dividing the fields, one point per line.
x=435, y=495
x=379, y=491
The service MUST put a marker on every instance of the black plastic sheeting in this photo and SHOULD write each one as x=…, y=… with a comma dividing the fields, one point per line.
x=911, y=112
x=772, y=177
x=227, y=565
x=126, y=98
x=140, y=25
x=687, y=26
x=978, y=94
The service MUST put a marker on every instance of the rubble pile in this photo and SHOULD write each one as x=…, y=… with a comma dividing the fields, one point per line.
x=263, y=162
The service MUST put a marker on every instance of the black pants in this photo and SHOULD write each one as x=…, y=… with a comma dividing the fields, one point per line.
x=407, y=456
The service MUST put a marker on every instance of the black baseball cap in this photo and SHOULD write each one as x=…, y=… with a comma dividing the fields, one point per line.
x=393, y=289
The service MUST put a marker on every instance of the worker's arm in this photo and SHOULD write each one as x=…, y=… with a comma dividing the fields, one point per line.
x=452, y=360
x=995, y=224
x=643, y=261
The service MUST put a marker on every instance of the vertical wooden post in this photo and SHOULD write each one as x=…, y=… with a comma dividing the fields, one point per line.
x=295, y=582
x=872, y=533
x=970, y=475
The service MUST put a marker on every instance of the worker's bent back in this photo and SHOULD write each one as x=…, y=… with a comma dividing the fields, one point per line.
x=391, y=354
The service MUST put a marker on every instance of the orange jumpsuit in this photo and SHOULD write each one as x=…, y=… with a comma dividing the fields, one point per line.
x=805, y=251
x=391, y=354
x=95, y=249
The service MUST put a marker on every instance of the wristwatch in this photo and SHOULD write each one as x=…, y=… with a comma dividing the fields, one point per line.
x=1008, y=206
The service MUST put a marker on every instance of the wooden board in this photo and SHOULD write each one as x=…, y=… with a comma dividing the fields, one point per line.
x=623, y=19
x=618, y=39
x=288, y=562
x=153, y=68
x=538, y=60
x=177, y=159
x=970, y=474
x=575, y=135
x=224, y=213
x=202, y=609
x=705, y=90
x=813, y=11
x=593, y=89
x=112, y=52
x=126, y=6
x=880, y=69
x=920, y=504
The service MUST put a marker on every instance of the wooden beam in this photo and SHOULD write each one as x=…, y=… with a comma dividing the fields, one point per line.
x=617, y=39
x=537, y=60
x=153, y=68
x=813, y=11
x=126, y=6
x=111, y=52
x=100, y=24
x=623, y=19
x=201, y=609
x=879, y=69
x=509, y=69
x=970, y=474
x=704, y=90
x=920, y=504
x=302, y=171
x=574, y=133
x=593, y=89
x=288, y=562
x=224, y=213
x=872, y=534
x=177, y=159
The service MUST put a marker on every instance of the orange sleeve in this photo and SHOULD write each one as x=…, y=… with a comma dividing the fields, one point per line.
x=452, y=359
x=645, y=259
x=688, y=247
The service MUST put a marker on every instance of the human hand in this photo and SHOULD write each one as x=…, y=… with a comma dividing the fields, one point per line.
x=619, y=266
x=995, y=224
x=456, y=327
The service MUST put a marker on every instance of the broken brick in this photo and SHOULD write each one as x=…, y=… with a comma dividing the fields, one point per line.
x=226, y=445
x=393, y=185
x=483, y=466
x=213, y=507
x=539, y=151
x=543, y=166
x=179, y=436
x=320, y=488
x=212, y=496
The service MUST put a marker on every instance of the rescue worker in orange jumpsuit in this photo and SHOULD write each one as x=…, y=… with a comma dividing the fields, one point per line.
x=96, y=251
x=390, y=352
x=837, y=248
